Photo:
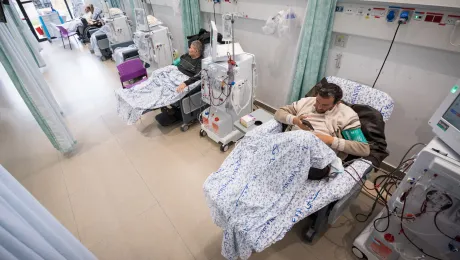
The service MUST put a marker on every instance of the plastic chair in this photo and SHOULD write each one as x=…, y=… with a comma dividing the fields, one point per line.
x=131, y=69
x=65, y=33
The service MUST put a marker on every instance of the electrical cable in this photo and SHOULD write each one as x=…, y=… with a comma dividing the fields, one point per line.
x=379, y=196
x=410, y=149
x=404, y=164
x=214, y=7
x=437, y=227
x=388, y=53
x=451, y=40
x=404, y=233
x=443, y=208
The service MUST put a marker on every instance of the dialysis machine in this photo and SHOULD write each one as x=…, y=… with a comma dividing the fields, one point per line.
x=119, y=25
x=153, y=41
x=424, y=219
x=228, y=87
x=117, y=33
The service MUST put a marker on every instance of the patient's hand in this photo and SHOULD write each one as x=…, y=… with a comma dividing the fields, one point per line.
x=325, y=138
x=181, y=87
x=298, y=122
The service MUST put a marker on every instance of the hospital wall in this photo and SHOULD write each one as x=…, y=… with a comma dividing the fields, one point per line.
x=274, y=54
x=173, y=21
x=274, y=57
x=417, y=78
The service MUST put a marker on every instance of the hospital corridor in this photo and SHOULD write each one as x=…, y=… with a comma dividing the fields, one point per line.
x=213, y=130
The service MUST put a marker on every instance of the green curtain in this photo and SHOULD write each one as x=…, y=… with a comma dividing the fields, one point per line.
x=191, y=18
x=115, y=4
x=131, y=5
x=314, y=46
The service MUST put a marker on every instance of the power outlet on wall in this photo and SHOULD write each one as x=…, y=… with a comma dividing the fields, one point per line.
x=450, y=20
x=341, y=40
x=350, y=10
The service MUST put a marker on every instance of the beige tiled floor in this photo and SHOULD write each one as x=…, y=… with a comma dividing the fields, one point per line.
x=129, y=192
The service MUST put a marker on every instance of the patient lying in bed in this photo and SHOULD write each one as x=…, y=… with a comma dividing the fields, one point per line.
x=336, y=124
x=189, y=64
x=263, y=187
x=164, y=87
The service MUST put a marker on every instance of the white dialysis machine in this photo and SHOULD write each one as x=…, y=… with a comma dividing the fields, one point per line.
x=119, y=25
x=228, y=87
x=424, y=211
x=153, y=41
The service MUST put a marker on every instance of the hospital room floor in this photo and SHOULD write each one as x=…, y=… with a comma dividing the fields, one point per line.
x=130, y=192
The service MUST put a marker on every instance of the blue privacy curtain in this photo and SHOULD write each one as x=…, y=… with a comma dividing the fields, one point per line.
x=313, y=46
x=29, y=231
x=191, y=18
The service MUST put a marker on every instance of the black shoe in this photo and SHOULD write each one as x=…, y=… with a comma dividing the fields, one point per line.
x=165, y=119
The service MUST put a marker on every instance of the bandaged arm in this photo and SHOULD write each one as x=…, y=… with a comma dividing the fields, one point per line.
x=353, y=141
x=286, y=114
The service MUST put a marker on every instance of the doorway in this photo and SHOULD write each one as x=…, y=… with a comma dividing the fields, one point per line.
x=30, y=10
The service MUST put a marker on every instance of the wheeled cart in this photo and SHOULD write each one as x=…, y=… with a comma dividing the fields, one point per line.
x=211, y=127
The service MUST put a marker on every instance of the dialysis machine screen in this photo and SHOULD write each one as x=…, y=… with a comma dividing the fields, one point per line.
x=446, y=120
x=452, y=114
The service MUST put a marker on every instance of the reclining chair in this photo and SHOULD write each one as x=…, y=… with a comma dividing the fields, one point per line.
x=124, y=51
x=85, y=31
x=358, y=97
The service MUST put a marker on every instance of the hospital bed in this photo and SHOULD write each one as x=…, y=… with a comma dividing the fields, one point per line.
x=189, y=105
x=353, y=93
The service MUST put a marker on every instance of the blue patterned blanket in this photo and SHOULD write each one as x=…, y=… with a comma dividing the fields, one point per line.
x=157, y=91
x=262, y=188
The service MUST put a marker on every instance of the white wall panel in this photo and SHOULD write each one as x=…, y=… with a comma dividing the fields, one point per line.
x=420, y=33
x=417, y=78
x=255, y=9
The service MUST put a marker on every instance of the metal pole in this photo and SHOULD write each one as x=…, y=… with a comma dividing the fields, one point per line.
x=233, y=36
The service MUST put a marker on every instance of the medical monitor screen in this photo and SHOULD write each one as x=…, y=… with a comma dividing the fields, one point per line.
x=452, y=114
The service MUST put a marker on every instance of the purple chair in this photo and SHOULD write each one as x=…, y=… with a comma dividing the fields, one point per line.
x=65, y=33
x=131, y=69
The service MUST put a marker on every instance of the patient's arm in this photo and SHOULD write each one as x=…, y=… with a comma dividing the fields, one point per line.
x=353, y=147
x=197, y=75
x=286, y=114
x=356, y=148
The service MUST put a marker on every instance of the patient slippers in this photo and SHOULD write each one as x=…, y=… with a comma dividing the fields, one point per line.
x=168, y=116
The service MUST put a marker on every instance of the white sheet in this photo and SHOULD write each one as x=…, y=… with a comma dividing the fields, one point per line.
x=261, y=190
x=71, y=26
x=93, y=42
x=117, y=55
x=158, y=91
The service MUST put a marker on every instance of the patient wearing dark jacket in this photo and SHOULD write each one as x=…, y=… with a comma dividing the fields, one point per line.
x=190, y=64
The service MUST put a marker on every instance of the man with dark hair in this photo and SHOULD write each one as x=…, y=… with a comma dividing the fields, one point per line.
x=335, y=123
